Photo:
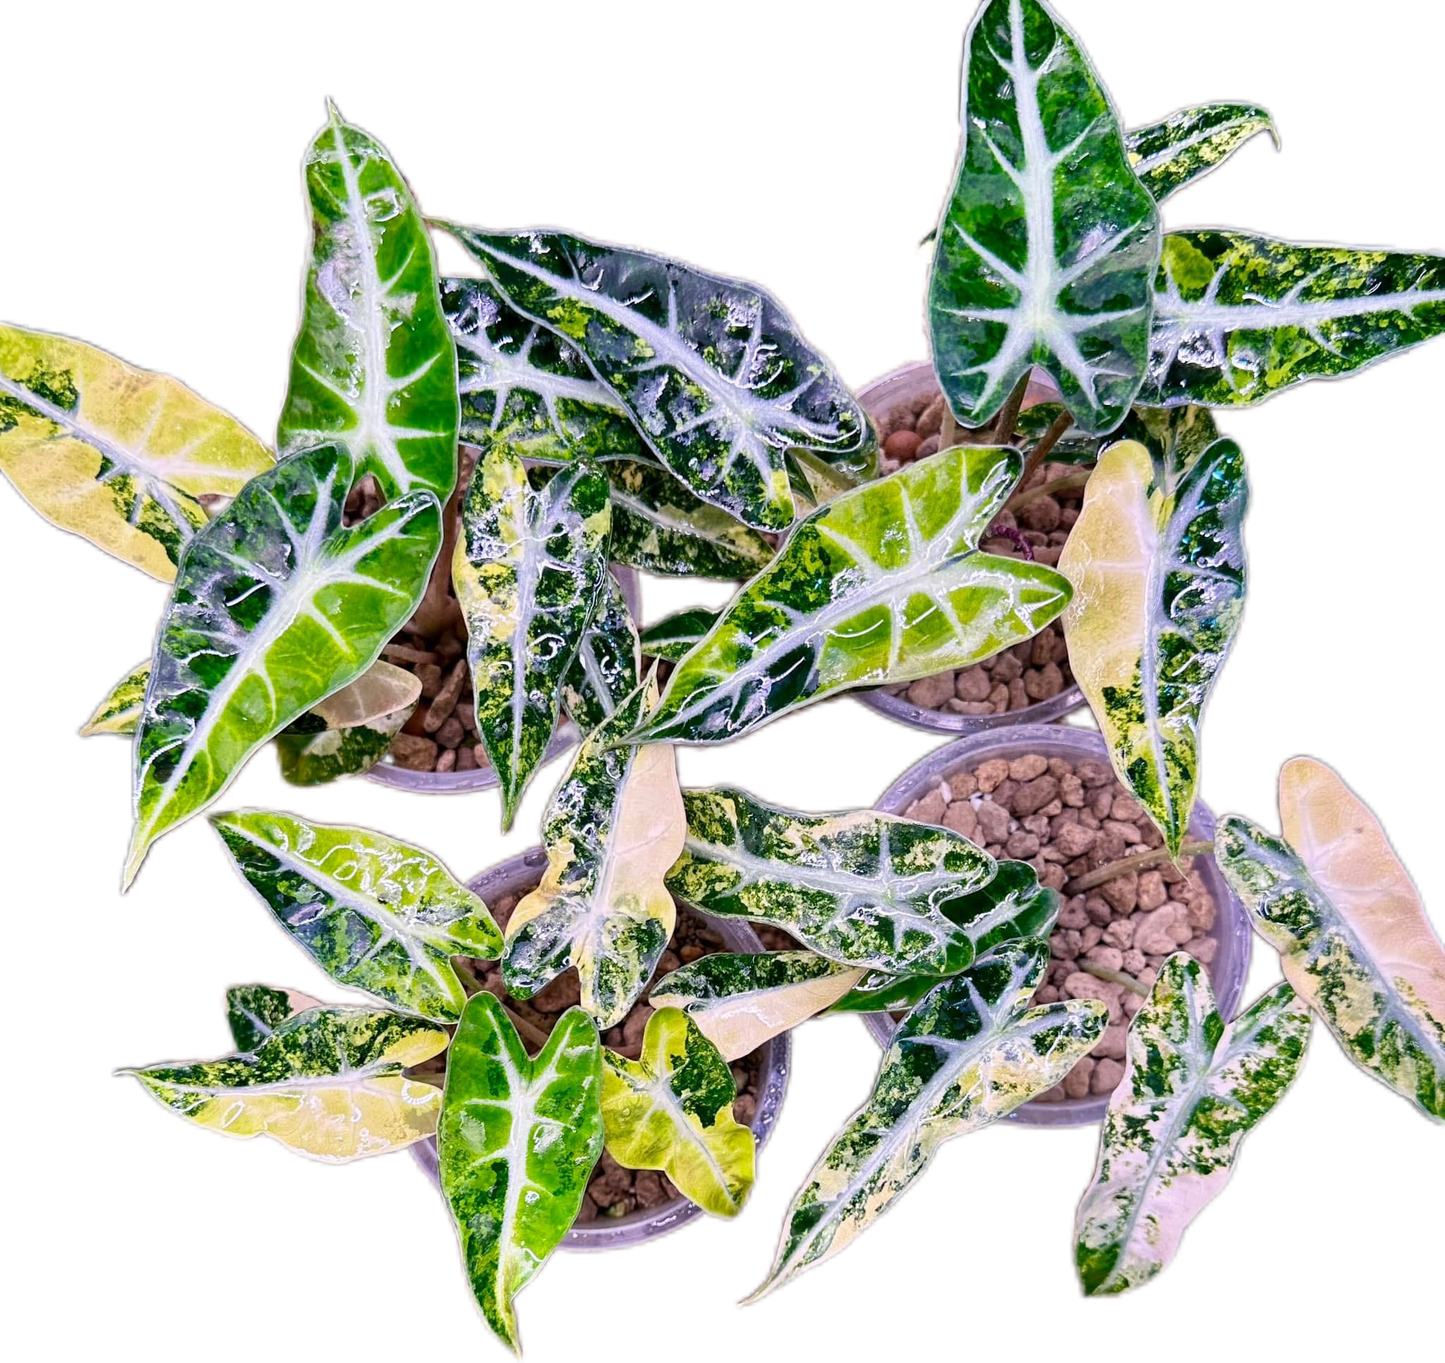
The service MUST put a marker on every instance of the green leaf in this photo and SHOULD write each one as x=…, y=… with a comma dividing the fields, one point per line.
x=673, y=1110
x=864, y=889
x=608, y=665
x=740, y=1000
x=661, y=527
x=328, y=1083
x=276, y=606
x=883, y=584
x=528, y=571
x=517, y=1143
x=675, y=635
x=254, y=1011
x=373, y=913
x=373, y=367
x=969, y=1054
x=1011, y=907
x=114, y=454
x=1191, y=142
x=613, y=827
x=524, y=386
x=349, y=731
x=1194, y=1086
x=1237, y=316
x=714, y=373
x=1333, y=899
x=1156, y=559
x=1048, y=244
x=120, y=711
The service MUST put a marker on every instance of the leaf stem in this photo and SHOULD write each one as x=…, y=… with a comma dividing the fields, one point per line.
x=1070, y=482
x=1102, y=972
x=948, y=432
x=1001, y=432
x=1058, y=428
x=1139, y=861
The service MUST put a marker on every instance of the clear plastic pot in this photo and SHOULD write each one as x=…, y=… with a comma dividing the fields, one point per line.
x=1232, y=930
x=909, y=382
x=517, y=876
x=484, y=778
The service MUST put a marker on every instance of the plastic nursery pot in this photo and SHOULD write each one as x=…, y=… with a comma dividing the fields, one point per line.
x=521, y=874
x=1232, y=930
x=484, y=778
x=915, y=380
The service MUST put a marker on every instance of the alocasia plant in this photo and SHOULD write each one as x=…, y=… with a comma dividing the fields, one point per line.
x=608, y=665
x=120, y=711
x=254, y=1011
x=1190, y=143
x=351, y=729
x=675, y=635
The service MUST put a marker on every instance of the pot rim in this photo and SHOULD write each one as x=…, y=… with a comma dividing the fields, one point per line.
x=903, y=382
x=1233, y=929
x=521, y=872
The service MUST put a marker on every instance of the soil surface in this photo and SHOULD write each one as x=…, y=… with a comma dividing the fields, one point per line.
x=1067, y=819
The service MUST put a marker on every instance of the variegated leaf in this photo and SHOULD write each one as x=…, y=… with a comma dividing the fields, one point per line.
x=328, y=1083
x=1333, y=899
x=1048, y=244
x=613, y=827
x=373, y=913
x=864, y=889
x=118, y=455
x=523, y=386
x=673, y=1110
x=714, y=373
x=373, y=367
x=661, y=527
x=277, y=605
x=608, y=665
x=1190, y=143
x=883, y=584
x=1238, y=316
x=1011, y=907
x=675, y=635
x=969, y=1054
x=740, y=1000
x=518, y=1141
x=120, y=711
x=528, y=570
x=1194, y=1086
x=349, y=731
x=1156, y=560
x=254, y=1011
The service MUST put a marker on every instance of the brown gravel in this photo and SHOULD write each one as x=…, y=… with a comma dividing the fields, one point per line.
x=1067, y=819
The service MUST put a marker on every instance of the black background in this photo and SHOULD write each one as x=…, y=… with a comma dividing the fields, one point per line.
x=165, y=224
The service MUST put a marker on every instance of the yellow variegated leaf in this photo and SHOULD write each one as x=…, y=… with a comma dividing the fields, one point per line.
x=120, y=711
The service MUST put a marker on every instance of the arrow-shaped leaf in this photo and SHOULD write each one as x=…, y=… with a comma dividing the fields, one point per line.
x=1189, y=143
x=883, y=584
x=1194, y=1086
x=254, y=1011
x=1333, y=899
x=608, y=665
x=1238, y=316
x=517, y=1143
x=675, y=635
x=115, y=454
x=276, y=605
x=673, y=1110
x=1048, y=244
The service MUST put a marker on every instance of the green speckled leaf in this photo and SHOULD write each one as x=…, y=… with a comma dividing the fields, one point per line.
x=373, y=367
x=676, y=634
x=518, y=1141
x=316, y=759
x=528, y=571
x=864, y=889
x=661, y=527
x=1194, y=1086
x=120, y=711
x=673, y=1110
x=883, y=584
x=740, y=1000
x=1333, y=899
x=254, y=1011
x=1048, y=245
x=969, y=1054
x=117, y=455
x=1156, y=560
x=276, y=606
x=1190, y=143
x=714, y=373
x=327, y=1083
x=1011, y=907
x=608, y=665
x=1237, y=316
x=373, y=913
x=613, y=827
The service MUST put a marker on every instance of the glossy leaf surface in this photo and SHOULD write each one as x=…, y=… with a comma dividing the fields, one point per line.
x=350, y=731
x=120, y=711
x=676, y=634
x=608, y=665
x=254, y=1011
x=1190, y=143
